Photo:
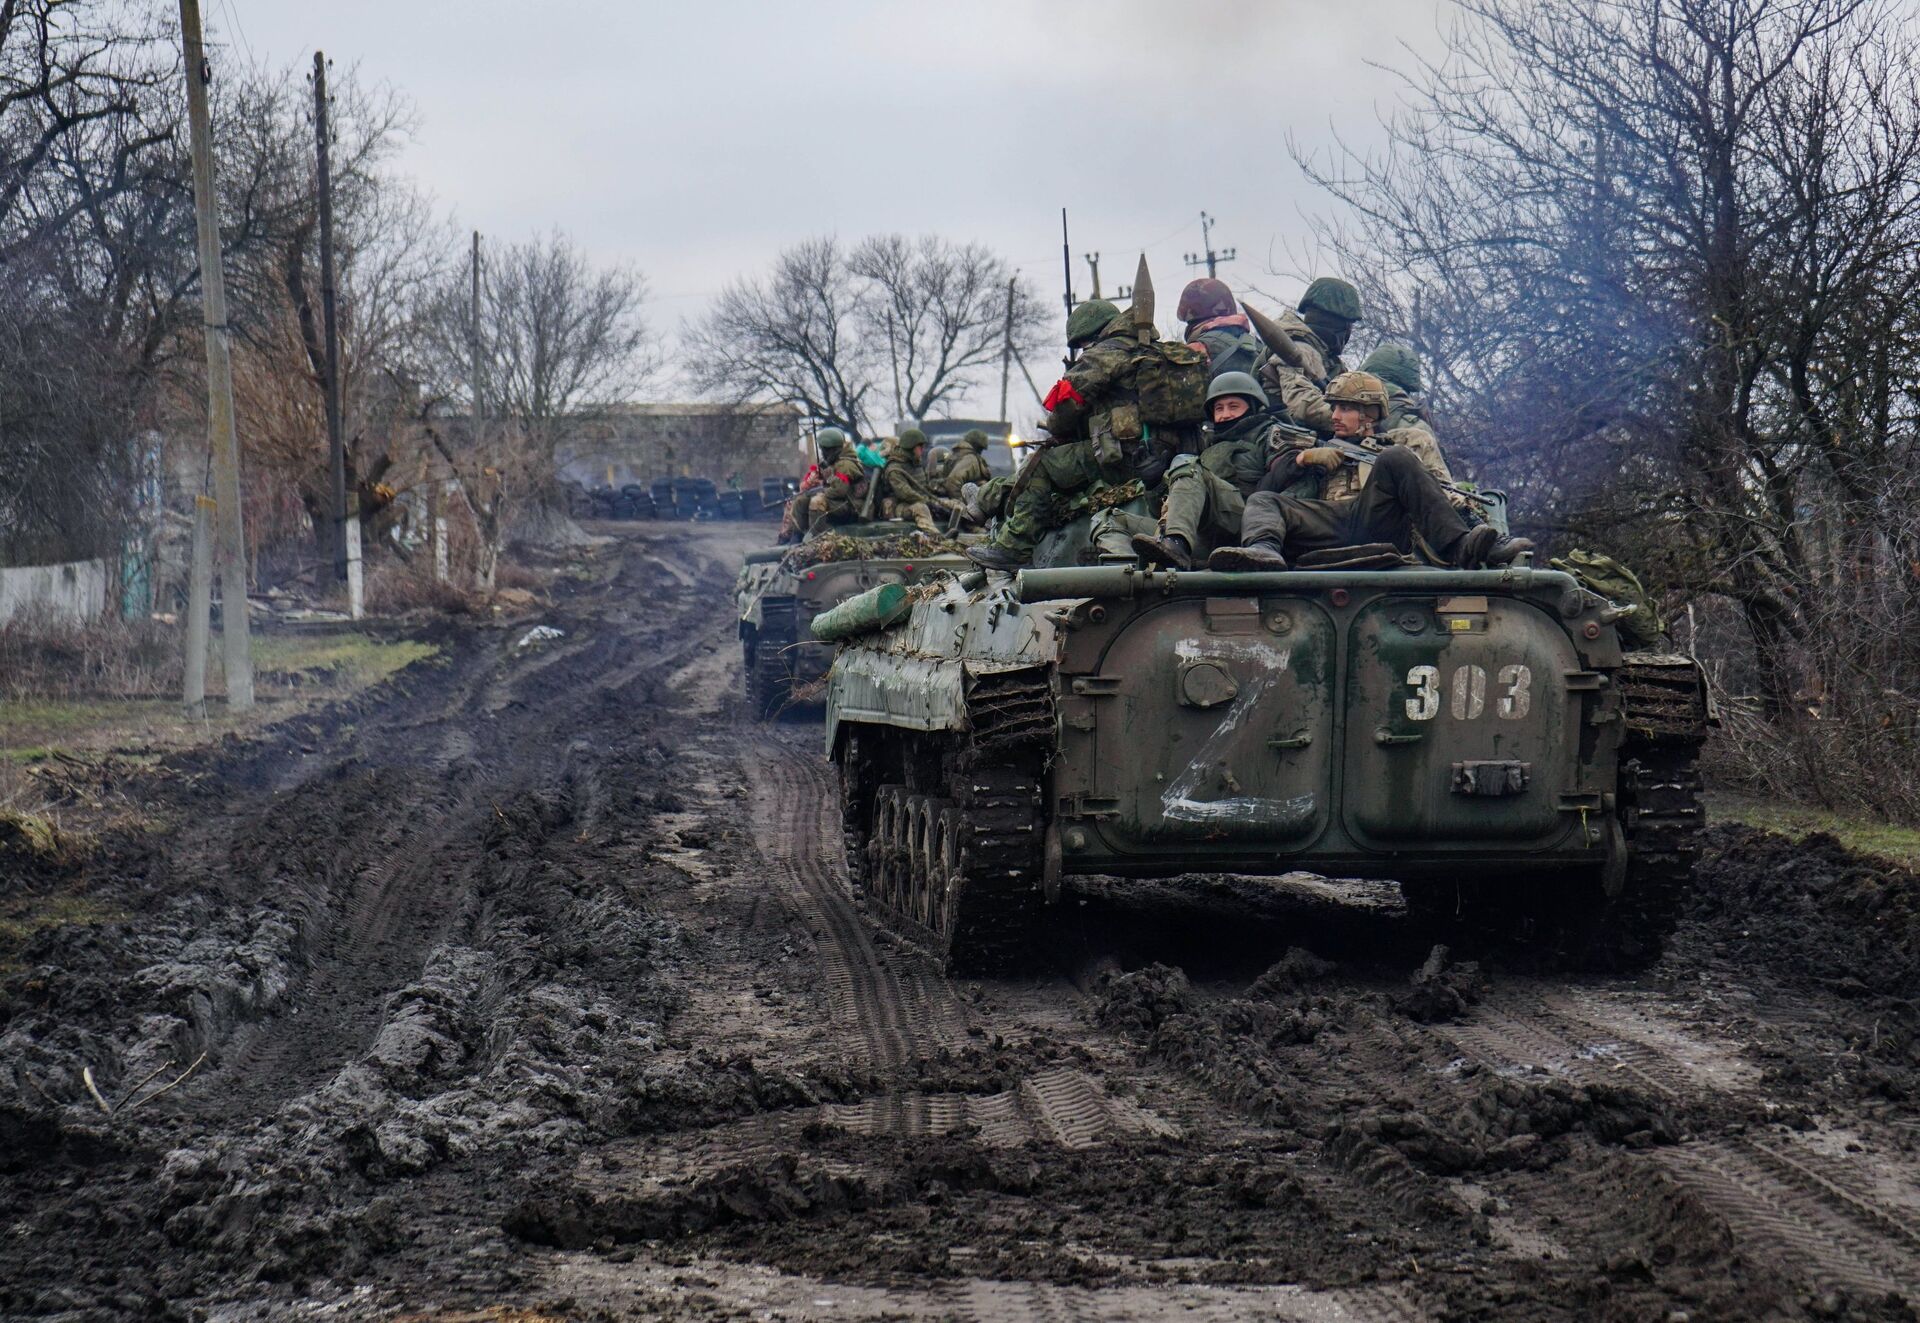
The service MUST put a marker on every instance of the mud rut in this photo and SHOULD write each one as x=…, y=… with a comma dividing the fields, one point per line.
x=537, y=982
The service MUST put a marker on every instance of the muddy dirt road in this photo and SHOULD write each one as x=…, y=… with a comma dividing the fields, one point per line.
x=531, y=986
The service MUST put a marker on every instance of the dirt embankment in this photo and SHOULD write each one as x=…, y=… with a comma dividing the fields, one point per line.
x=533, y=983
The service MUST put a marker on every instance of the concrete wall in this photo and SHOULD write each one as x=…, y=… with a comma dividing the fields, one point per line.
x=77, y=591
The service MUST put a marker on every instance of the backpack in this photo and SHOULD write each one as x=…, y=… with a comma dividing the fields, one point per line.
x=1641, y=629
x=1170, y=380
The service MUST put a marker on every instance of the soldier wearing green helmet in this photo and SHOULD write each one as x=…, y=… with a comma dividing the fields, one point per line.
x=969, y=463
x=1319, y=328
x=1206, y=495
x=1098, y=419
x=831, y=489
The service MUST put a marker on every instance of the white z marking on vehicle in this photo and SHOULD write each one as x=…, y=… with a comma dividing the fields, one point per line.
x=1177, y=801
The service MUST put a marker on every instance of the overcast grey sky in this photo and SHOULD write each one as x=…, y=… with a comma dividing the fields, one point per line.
x=696, y=139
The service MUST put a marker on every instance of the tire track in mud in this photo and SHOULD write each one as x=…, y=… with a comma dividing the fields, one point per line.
x=1776, y=1190
x=906, y=1013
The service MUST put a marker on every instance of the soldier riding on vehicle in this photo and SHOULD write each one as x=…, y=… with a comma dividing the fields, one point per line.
x=1374, y=490
x=1217, y=328
x=1206, y=495
x=1124, y=409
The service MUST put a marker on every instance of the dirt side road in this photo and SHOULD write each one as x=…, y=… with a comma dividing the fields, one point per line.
x=531, y=987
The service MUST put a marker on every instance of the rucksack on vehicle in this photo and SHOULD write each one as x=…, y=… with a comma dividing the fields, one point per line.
x=1642, y=628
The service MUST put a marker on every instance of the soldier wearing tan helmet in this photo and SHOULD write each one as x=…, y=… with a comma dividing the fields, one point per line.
x=1375, y=489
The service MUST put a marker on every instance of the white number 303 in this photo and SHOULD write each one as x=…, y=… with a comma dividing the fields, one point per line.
x=1467, y=694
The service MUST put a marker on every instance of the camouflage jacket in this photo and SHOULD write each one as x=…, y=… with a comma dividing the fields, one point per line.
x=1242, y=454
x=1228, y=343
x=1345, y=482
x=1298, y=392
x=968, y=466
x=903, y=481
x=846, y=484
x=1083, y=400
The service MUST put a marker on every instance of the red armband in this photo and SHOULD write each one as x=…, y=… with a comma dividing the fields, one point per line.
x=1062, y=390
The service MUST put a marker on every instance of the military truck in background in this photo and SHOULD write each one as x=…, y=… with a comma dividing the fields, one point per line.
x=1480, y=737
x=780, y=590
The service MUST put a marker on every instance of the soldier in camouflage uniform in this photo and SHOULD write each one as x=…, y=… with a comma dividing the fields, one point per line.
x=843, y=486
x=969, y=463
x=1097, y=440
x=1394, y=365
x=1217, y=328
x=903, y=491
x=1206, y=495
x=1395, y=499
x=1319, y=330
x=795, y=518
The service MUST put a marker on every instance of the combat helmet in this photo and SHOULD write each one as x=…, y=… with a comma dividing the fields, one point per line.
x=1395, y=364
x=1237, y=383
x=830, y=440
x=1334, y=297
x=1206, y=298
x=1087, y=320
x=975, y=439
x=1358, y=388
x=911, y=439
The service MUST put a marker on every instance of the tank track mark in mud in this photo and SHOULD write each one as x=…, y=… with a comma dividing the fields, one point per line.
x=1479, y=737
x=957, y=866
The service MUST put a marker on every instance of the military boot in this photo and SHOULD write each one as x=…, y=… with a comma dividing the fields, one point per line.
x=1261, y=555
x=1171, y=551
x=1485, y=547
x=996, y=558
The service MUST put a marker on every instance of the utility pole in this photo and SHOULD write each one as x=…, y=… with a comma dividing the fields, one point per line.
x=893, y=356
x=473, y=336
x=1006, y=349
x=1208, y=257
x=336, y=446
x=231, y=552
x=1093, y=260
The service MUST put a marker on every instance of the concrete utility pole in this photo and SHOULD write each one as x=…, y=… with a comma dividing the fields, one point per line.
x=336, y=446
x=231, y=552
x=1208, y=257
x=1093, y=260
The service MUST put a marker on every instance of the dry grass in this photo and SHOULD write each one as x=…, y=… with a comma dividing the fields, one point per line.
x=41, y=658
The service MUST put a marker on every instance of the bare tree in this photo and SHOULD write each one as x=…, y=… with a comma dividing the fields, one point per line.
x=831, y=330
x=1661, y=255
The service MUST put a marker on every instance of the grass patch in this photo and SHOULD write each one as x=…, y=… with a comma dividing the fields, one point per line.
x=23, y=916
x=1881, y=840
x=349, y=659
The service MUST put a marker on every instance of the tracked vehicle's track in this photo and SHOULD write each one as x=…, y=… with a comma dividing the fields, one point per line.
x=959, y=872
x=769, y=672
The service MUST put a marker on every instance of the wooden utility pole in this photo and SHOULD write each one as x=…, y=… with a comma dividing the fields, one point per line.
x=893, y=356
x=1006, y=348
x=336, y=446
x=230, y=555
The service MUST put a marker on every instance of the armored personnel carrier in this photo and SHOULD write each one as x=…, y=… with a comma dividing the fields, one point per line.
x=1480, y=737
x=780, y=590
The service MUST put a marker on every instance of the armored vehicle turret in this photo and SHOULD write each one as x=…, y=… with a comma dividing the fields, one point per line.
x=1480, y=737
x=780, y=590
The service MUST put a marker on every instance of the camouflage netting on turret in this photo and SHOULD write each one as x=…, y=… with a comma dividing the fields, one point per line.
x=839, y=546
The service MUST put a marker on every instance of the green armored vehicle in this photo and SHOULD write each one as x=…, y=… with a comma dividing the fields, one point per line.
x=781, y=589
x=1478, y=736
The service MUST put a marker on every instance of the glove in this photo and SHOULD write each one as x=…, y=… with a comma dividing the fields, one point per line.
x=1320, y=457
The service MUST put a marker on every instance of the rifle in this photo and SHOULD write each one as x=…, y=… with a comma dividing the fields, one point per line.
x=873, y=492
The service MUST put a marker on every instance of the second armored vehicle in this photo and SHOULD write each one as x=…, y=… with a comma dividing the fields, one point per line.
x=781, y=589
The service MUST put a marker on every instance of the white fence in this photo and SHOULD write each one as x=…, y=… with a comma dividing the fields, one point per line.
x=77, y=591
